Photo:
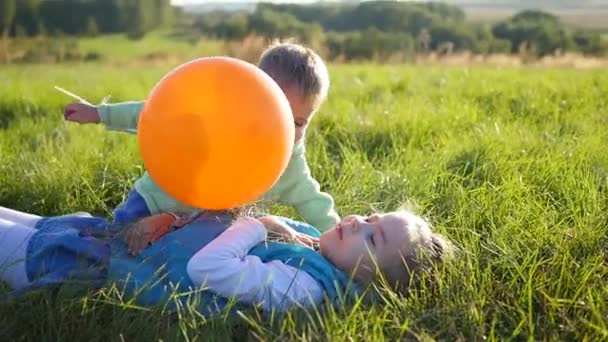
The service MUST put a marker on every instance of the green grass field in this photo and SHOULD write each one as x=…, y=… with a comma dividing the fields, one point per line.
x=511, y=164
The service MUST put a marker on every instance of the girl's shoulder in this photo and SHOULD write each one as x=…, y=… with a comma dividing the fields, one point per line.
x=300, y=226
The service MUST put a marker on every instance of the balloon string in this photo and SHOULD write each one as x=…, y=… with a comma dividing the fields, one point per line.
x=79, y=98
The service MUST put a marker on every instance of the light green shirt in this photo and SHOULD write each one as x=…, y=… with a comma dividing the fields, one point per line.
x=296, y=187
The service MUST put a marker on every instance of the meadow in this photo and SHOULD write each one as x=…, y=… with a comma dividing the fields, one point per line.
x=509, y=163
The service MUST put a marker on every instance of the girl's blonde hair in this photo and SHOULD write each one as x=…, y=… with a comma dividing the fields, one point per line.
x=432, y=250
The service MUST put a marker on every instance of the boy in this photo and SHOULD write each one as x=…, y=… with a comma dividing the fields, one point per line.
x=303, y=77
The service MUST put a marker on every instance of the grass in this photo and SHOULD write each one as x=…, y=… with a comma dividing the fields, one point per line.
x=158, y=48
x=155, y=46
x=510, y=164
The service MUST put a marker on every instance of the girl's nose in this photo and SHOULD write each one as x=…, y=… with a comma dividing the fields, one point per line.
x=356, y=223
x=348, y=219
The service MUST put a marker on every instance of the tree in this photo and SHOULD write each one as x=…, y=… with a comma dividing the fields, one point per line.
x=8, y=10
x=535, y=16
x=275, y=24
x=589, y=42
x=139, y=17
x=91, y=29
x=162, y=12
x=543, y=32
x=370, y=44
x=235, y=27
x=461, y=36
x=28, y=17
x=110, y=15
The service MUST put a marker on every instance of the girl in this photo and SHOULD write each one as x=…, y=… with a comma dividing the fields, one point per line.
x=218, y=256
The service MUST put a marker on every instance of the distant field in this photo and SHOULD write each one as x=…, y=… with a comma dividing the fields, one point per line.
x=584, y=18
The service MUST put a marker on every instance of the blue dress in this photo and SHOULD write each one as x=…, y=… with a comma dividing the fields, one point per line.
x=73, y=249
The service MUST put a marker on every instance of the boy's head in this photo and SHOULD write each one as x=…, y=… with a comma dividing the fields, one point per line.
x=398, y=244
x=302, y=75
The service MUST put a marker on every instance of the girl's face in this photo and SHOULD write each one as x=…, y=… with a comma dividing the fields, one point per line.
x=366, y=243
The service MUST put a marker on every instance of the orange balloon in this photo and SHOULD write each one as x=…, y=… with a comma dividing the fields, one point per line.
x=216, y=133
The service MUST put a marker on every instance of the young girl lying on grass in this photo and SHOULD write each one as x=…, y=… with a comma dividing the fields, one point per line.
x=219, y=256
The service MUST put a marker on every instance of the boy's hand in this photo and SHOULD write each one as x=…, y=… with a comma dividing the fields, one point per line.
x=81, y=113
x=148, y=230
x=286, y=232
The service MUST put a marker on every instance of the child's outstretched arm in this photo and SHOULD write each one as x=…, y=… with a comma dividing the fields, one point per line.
x=305, y=195
x=117, y=116
x=224, y=267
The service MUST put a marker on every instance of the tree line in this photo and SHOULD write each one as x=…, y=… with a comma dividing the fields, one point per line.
x=81, y=17
x=376, y=29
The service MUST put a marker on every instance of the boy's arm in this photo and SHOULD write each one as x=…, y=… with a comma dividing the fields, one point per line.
x=122, y=116
x=305, y=195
